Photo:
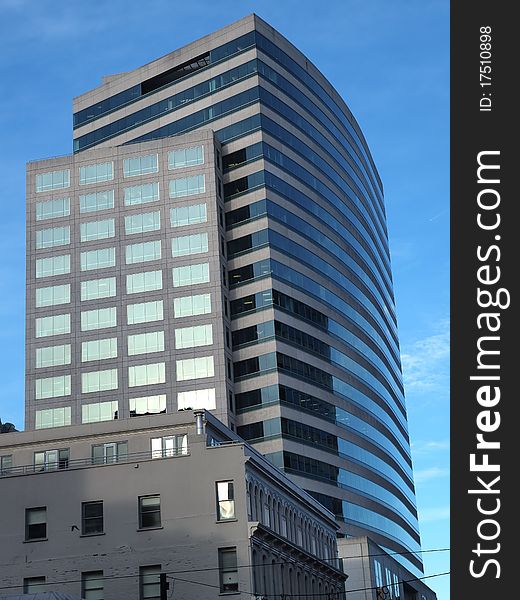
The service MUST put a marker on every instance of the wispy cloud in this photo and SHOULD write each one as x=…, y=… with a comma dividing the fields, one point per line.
x=438, y=215
x=426, y=447
x=424, y=475
x=435, y=513
x=425, y=361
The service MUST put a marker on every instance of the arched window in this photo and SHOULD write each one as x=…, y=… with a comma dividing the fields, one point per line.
x=265, y=575
x=313, y=540
x=260, y=506
x=276, y=517
x=256, y=588
x=254, y=504
x=275, y=587
x=283, y=521
x=249, y=507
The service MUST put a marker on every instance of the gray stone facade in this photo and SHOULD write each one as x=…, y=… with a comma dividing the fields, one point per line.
x=264, y=518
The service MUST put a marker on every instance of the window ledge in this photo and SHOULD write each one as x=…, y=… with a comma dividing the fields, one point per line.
x=36, y=540
x=230, y=593
x=149, y=528
x=226, y=521
x=87, y=535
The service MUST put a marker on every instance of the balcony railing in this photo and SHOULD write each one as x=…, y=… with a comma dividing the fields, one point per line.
x=82, y=463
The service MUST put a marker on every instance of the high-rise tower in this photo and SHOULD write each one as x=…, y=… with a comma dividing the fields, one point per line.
x=218, y=239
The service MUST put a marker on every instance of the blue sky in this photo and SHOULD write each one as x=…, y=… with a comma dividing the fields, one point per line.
x=389, y=59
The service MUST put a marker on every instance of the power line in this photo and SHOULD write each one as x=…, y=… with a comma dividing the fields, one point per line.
x=247, y=566
x=375, y=587
x=329, y=594
x=323, y=559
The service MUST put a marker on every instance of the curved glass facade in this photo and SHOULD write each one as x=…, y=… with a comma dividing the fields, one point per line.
x=317, y=372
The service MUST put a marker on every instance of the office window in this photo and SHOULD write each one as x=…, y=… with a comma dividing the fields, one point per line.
x=225, y=500
x=190, y=274
x=149, y=511
x=98, y=318
x=144, y=282
x=195, y=399
x=101, y=258
x=228, y=570
x=143, y=252
x=92, y=585
x=144, y=343
x=53, y=296
x=54, y=236
x=195, y=368
x=149, y=582
x=96, y=201
x=110, y=452
x=52, y=356
x=54, y=325
x=140, y=165
x=52, y=387
x=96, y=173
x=92, y=517
x=147, y=405
x=192, y=337
x=145, y=312
x=99, y=411
x=187, y=186
x=6, y=464
x=169, y=445
x=389, y=582
x=188, y=215
x=51, y=460
x=98, y=288
x=378, y=573
x=97, y=230
x=35, y=523
x=53, y=417
x=55, y=180
x=99, y=381
x=142, y=222
x=149, y=374
x=395, y=580
x=186, y=157
x=53, y=209
x=99, y=349
x=33, y=585
x=189, y=244
x=189, y=306
x=141, y=194
x=55, y=265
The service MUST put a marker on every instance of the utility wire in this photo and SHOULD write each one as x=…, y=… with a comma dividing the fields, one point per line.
x=329, y=594
x=323, y=559
x=248, y=566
